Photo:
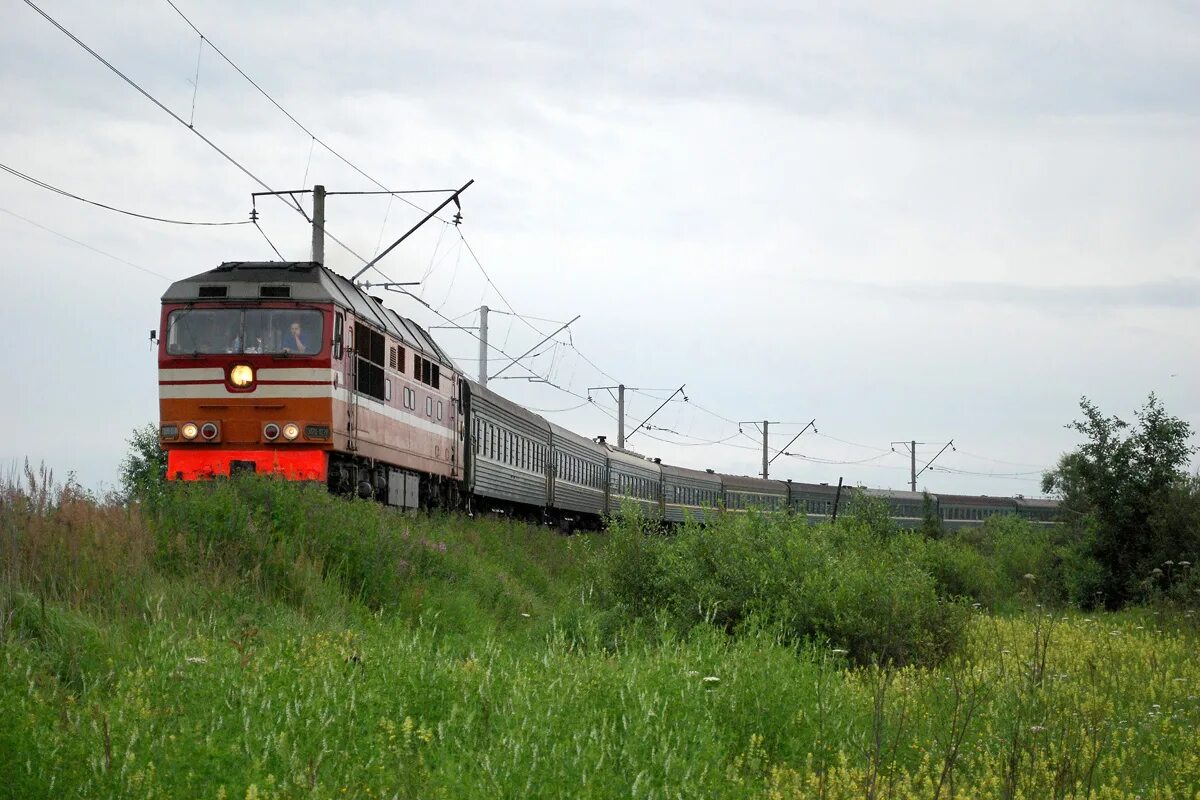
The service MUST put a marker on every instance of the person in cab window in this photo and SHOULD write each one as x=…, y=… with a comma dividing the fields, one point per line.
x=293, y=340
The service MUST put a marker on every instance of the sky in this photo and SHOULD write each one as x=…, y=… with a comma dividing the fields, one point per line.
x=924, y=221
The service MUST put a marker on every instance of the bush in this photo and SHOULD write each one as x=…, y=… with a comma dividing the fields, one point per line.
x=280, y=536
x=144, y=468
x=854, y=584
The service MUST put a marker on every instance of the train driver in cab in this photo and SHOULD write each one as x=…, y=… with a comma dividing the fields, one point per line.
x=294, y=340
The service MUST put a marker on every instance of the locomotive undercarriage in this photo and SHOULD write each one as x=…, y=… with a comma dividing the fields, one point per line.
x=388, y=484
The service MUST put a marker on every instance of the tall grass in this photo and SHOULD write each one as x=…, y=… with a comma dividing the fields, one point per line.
x=254, y=639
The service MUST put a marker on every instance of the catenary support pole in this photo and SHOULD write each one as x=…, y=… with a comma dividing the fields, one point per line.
x=483, y=346
x=621, y=416
x=913, y=453
x=766, y=459
x=318, y=224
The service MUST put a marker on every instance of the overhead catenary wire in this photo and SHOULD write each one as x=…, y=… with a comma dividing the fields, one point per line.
x=287, y=113
x=85, y=245
x=242, y=168
x=268, y=238
x=50, y=187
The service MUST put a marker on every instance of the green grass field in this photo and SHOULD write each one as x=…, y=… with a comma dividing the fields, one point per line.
x=263, y=640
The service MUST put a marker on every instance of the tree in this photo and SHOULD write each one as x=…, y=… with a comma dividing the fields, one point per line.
x=1115, y=484
x=144, y=468
x=931, y=523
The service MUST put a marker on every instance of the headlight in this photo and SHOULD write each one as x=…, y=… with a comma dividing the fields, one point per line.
x=271, y=431
x=208, y=430
x=241, y=375
x=189, y=430
x=291, y=431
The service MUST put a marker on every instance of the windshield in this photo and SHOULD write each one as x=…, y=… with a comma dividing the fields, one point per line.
x=253, y=330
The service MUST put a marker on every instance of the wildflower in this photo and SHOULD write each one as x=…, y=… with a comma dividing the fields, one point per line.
x=1114, y=633
x=1029, y=576
x=523, y=614
x=1185, y=563
x=1168, y=563
x=1156, y=572
x=691, y=673
x=840, y=651
x=711, y=679
x=196, y=660
x=1036, y=728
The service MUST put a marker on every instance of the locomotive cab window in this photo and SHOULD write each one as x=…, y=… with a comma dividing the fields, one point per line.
x=203, y=331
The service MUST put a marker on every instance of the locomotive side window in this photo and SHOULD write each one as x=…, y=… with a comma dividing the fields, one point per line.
x=369, y=359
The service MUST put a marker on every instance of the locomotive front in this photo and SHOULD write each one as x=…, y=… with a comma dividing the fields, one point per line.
x=245, y=372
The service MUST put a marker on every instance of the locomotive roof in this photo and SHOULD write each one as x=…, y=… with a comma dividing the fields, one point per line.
x=307, y=281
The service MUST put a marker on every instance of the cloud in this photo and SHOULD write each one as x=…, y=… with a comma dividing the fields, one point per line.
x=1177, y=293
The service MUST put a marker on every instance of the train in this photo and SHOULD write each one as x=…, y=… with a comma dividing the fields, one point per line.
x=289, y=369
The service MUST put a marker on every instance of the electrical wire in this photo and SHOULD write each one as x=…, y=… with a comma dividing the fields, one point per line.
x=294, y=205
x=853, y=444
x=558, y=410
x=86, y=246
x=264, y=235
x=38, y=182
x=289, y=115
x=995, y=460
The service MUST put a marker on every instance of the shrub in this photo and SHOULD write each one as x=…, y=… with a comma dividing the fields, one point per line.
x=855, y=583
x=277, y=536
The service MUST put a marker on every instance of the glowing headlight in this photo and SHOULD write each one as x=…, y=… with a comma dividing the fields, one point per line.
x=241, y=375
x=291, y=431
x=271, y=431
x=189, y=430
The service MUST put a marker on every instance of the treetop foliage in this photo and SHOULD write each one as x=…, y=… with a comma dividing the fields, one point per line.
x=1115, y=489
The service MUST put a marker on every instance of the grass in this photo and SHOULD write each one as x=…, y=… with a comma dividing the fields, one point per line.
x=261, y=640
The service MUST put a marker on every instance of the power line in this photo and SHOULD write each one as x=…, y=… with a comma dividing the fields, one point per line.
x=855, y=444
x=38, y=182
x=294, y=205
x=997, y=460
x=86, y=246
x=272, y=244
x=287, y=113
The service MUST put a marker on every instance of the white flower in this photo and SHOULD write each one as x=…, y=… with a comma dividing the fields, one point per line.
x=711, y=679
x=196, y=660
x=523, y=614
x=840, y=651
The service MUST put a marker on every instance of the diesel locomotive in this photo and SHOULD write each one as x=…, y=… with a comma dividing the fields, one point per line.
x=289, y=369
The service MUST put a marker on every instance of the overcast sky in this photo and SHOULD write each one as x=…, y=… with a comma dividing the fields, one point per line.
x=908, y=221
